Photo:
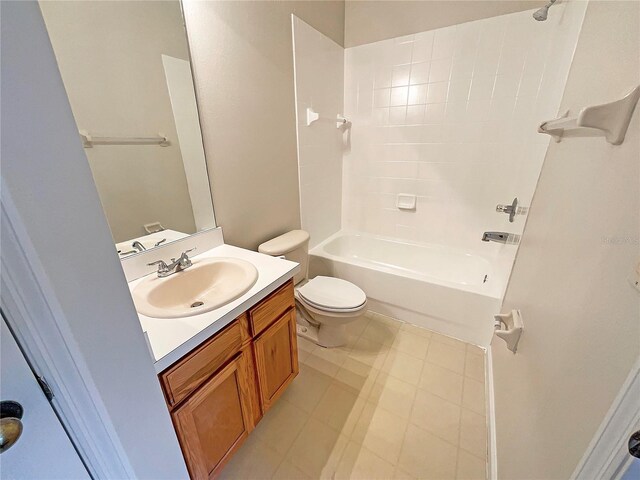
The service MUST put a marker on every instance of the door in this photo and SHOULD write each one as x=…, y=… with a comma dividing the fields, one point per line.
x=215, y=420
x=43, y=450
x=276, y=353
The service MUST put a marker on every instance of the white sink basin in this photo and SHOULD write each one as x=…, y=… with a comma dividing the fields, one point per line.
x=206, y=285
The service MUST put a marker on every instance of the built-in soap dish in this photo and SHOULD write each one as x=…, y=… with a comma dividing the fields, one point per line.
x=406, y=201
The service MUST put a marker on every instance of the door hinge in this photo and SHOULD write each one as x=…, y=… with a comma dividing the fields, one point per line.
x=45, y=388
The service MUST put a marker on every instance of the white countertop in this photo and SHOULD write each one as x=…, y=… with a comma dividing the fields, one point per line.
x=172, y=338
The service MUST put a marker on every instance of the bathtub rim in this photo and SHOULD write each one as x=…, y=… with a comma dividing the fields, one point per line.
x=490, y=289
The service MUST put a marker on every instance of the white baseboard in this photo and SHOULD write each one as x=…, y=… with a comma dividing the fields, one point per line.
x=606, y=456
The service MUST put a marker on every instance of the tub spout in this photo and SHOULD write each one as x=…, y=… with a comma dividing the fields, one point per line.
x=500, y=237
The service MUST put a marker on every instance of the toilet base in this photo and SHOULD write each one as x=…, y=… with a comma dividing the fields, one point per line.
x=328, y=336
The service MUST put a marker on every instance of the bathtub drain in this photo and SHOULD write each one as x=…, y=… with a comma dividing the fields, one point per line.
x=197, y=304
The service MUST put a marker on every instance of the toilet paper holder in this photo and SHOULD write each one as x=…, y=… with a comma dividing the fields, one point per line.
x=509, y=327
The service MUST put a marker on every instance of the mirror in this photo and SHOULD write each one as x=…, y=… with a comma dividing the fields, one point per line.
x=126, y=68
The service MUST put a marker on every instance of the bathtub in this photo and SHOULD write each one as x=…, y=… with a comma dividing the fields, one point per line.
x=451, y=291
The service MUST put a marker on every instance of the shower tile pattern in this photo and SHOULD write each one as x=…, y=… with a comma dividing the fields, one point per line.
x=319, y=79
x=450, y=115
x=396, y=402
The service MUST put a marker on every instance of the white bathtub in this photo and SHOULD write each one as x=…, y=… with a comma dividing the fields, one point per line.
x=452, y=291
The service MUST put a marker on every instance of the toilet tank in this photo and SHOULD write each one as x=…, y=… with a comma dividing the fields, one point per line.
x=294, y=245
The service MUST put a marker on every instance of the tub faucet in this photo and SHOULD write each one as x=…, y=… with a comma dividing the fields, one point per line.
x=500, y=237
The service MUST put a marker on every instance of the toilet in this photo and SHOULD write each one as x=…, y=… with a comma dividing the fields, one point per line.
x=324, y=305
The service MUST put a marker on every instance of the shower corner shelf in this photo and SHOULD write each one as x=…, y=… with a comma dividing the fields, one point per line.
x=612, y=118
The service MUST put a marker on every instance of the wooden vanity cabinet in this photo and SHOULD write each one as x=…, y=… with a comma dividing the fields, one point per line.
x=276, y=355
x=219, y=391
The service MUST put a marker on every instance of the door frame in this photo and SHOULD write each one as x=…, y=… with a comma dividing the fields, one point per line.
x=40, y=328
x=607, y=455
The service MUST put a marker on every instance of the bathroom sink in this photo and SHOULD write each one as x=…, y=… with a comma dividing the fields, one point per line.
x=206, y=285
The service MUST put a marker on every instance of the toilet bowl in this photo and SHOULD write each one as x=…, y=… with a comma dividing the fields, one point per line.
x=324, y=305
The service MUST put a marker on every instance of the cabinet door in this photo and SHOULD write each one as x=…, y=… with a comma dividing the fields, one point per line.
x=276, y=353
x=214, y=421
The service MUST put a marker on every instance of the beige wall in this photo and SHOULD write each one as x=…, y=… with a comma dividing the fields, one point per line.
x=109, y=55
x=582, y=318
x=243, y=64
x=370, y=21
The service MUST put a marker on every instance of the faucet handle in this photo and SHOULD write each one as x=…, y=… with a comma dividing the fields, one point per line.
x=184, y=259
x=162, y=266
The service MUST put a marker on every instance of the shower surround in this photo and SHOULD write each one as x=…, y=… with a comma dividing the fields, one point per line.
x=450, y=116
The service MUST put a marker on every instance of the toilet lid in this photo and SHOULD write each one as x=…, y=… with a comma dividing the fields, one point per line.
x=332, y=293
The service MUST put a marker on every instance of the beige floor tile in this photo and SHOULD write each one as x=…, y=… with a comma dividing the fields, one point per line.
x=393, y=395
x=436, y=415
x=254, y=460
x=336, y=355
x=306, y=345
x=380, y=332
x=411, y=344
x=380, y=431
x=414, y=330
x=474, y=366
x=357, y=376
x=426, y=456
x=388, y=320
x=452, y=342
x=321, y=365
x=442, y=382
x=369, y=352
x=446, y=356
x=339, y=408
x=473, y=395
x=475, y=350
x=317, y=450
x=403, y=366
x=473, y=433
x=470, y=467
x=356, y=327
x=400, y=474
x=303, y=355
x=288, y=471
x=307, y=389
x=281, y=425
x=359, y=463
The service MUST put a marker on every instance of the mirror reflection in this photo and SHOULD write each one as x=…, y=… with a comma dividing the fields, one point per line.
x=125, y=66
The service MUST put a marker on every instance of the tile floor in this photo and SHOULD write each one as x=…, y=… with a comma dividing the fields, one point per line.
x=397, y=402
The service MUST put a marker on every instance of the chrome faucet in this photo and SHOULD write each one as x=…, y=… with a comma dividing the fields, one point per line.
x=138, y=246
x=500, y=237
x=182, y=263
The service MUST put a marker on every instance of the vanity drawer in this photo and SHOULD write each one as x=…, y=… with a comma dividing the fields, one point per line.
x=271, y=308
x=189, y=373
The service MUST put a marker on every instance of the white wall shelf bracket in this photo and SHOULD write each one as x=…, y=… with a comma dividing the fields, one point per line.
x=509, y=327
x=611, y=118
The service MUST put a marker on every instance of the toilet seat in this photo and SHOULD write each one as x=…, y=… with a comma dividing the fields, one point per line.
x=332, y=295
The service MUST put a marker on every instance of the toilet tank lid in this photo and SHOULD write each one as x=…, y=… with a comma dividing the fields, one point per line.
x=284, y=243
